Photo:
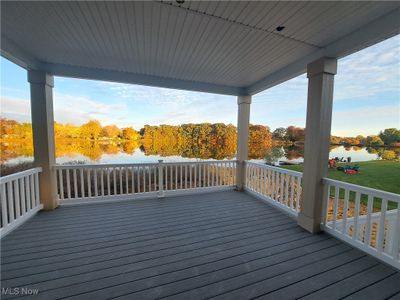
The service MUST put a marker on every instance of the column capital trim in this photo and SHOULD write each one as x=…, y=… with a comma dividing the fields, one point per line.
x=327, y=65
x=244, y=99
x=40, y=77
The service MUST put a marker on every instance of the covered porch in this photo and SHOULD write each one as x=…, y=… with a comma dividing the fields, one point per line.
x=224, y=245
x=240, y=49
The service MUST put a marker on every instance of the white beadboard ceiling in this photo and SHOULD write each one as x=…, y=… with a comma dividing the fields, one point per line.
x=214, y=46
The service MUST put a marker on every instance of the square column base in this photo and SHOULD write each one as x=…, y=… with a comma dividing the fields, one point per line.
x=309, y=224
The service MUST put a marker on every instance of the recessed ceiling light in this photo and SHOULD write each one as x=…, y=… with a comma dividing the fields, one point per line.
x=280, y=28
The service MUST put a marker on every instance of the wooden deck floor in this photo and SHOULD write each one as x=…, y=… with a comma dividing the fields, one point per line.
x=224, y=245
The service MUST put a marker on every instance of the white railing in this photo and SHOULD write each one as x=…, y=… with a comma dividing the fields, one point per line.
x=111, y=181
x=19, y=198
x=366, y=218
x=278, y=186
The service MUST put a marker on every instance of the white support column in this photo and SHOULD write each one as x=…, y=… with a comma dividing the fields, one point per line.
x=242, y=139
x=43, y=135
x=320, y=75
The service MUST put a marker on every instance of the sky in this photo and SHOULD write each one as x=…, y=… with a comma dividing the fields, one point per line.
x=366, y=98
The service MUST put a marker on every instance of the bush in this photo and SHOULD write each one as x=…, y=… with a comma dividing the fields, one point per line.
x=15, y=168
x=273, y=155
x=388, y=155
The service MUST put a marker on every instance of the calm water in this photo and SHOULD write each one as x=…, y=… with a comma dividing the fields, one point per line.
x=119, y=154
x=355, y=153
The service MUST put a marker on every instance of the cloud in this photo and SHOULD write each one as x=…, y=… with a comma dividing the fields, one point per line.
x=78, y=110
x=152, y=95
x=15, y=108
x=199, y=108
x=367, y=78
x=370, y=72
x=67, y=109
x=170, y=106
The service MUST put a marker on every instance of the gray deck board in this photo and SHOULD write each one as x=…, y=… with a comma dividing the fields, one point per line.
x=217, y=245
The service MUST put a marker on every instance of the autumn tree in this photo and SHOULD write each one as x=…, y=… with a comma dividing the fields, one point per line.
x=110, y=132
x=374, y=140
x=295, y=134
x=390, y=136
x=14, y=130
x=130, y=134
x=66, y=131
x=260, y=139
x=91, y=130
x=350, y=141
x=387, y=154
x=361, y=140
x=279, y=134
x=336, y=140
x=7, y=127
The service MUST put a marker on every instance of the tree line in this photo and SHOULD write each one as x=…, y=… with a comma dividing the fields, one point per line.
x=296, y=135
x=387, y=137
x=92, y=130
x=193, y=135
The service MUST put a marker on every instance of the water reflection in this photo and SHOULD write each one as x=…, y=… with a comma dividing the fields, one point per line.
x=135, y=151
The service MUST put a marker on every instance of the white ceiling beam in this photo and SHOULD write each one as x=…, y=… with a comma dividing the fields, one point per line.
x=378, y=30
x=132, y=78
x=17, y=55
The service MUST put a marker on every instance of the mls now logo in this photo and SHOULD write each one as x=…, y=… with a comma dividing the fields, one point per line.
x=22, y=291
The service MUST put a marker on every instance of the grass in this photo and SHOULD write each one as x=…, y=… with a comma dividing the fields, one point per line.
x=378, y=174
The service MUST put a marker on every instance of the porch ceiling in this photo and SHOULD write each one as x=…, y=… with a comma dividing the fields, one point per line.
x=220, y=47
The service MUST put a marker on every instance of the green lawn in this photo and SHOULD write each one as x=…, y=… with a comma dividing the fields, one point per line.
x=377, y=174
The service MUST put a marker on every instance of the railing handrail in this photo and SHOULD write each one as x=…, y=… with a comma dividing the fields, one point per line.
x=18, y=175
x=200, y=162
x=278, y=186
x=95, y=166
x=363, y=190
x=90, y=181
x=282, y=170
x=361, y=218
x=19, y=199
x=381, y=241
x=100, y=166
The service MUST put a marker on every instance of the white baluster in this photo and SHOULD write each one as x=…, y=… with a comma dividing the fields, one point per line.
x=3, y=199
x=381, y=229
x=17, y=199
x=61, y=183
x=345, y=211
x=89, y=180
x=102, y=181
x=292, y=178
x=23, y=196
x=369, y=225
x=121, y=190
x=28, y=193
x=356, y=215
x=37, y=197
x=68, y=185
x=335, y=207
x=96, y=189
x=82, y=184
x=160, y=179
x=75, y=184
x=108, y=182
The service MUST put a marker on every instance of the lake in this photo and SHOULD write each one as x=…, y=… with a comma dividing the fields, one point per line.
x=134, y=152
